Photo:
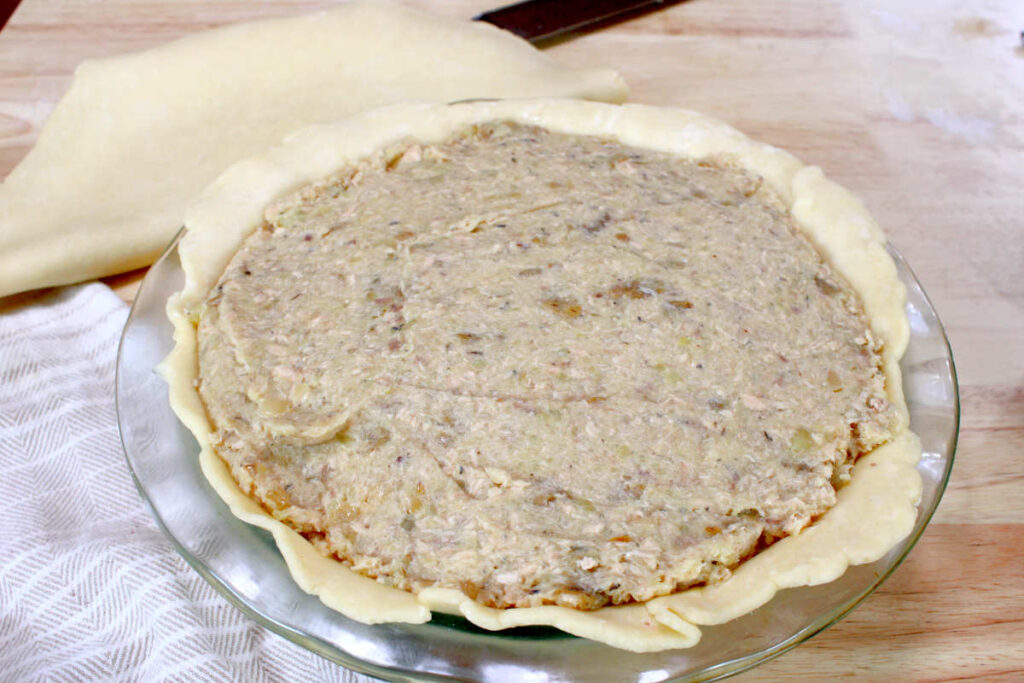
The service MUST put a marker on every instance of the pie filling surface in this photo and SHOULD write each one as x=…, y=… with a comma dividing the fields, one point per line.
x=538, y=368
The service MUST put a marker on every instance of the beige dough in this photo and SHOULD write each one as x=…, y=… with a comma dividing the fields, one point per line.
x=875, y=511
x=137, y=136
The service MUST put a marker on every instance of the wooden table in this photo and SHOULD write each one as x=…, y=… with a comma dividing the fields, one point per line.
x=916, y=106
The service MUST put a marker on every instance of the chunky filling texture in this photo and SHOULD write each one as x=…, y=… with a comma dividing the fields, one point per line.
x=539, y=368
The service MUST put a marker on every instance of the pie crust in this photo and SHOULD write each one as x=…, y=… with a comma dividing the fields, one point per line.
x=874, y=511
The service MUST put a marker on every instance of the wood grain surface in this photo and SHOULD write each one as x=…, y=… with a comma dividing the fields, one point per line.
x=918, y=107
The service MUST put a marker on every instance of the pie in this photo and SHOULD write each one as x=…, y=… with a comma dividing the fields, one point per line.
x=615, y=369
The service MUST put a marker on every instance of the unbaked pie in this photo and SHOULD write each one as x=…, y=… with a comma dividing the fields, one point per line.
x=546, y=362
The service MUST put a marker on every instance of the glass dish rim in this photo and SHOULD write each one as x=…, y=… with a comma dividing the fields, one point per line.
x=713, y=672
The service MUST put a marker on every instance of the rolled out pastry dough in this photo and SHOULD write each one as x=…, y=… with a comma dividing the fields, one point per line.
x=136, y=136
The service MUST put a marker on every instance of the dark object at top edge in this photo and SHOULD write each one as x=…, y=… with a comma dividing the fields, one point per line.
x=540, y=20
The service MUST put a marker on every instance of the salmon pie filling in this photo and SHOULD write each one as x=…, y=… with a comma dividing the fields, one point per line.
x=538, y=368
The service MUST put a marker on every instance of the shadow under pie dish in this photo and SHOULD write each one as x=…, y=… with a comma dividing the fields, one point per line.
x=546, y=362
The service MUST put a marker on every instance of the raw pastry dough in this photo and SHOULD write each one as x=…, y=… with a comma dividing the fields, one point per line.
x=874, y=512
x=137, y=136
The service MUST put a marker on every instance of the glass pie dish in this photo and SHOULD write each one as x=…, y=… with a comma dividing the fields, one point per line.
x=244, y=565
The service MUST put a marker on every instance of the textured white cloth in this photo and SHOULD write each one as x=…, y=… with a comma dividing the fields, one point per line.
x=89, y=587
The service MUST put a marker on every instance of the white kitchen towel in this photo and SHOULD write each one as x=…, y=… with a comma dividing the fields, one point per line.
x=89, y=587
